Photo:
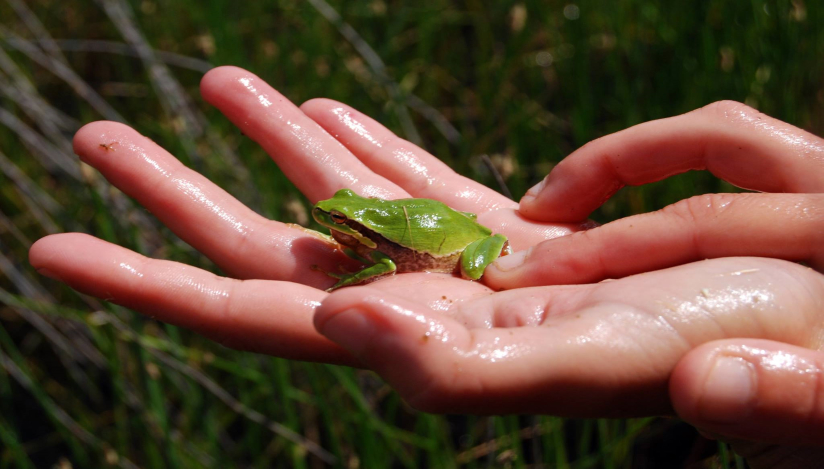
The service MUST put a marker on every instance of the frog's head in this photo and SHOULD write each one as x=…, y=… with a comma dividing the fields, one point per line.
x=335, y=212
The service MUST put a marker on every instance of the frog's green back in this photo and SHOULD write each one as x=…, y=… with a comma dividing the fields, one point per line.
x=421, y=224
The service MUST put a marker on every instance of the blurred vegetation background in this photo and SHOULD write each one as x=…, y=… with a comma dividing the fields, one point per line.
x=493, y=88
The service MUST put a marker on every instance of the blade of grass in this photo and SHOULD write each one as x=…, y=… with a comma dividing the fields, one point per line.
x=63, y=71
x=218, y=391
x=171, y=94
x=36, y=27
x=40, y=198
x=6, y=225
x=120, y=48
x=378, y=69
x=242, y=409
x=33, y=211
x=13, y=449
x=605, y=438
x=18, y=88
x=62, y=346
x=724, y=454
x=175, y=101
x=80, y=349
x=387, y=431
x=47, y=154
x=156, y=409
x=17, y=369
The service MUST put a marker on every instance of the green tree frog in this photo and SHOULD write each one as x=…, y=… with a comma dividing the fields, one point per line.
x=407, y=235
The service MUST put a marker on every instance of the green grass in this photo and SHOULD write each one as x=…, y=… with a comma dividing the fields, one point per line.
x=89, y=383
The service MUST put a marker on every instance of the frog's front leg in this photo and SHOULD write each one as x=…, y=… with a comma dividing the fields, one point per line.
x=383, y=265
x=480, y=254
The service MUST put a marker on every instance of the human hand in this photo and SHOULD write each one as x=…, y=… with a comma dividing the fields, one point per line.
x=271, y=310
x=733, y=345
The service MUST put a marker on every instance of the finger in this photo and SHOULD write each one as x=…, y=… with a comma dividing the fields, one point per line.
x=756, y=390
x=241, y=242
x=401, y=162
x=437, y=364
x=263, y=316
x=589, y=350
x=733, y=141
x=424, y=175
x=783, y=226
x=311, y=158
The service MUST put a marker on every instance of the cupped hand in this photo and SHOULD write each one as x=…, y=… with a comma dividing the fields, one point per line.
x=275, y=281
x=733, y=344
x=449, y=344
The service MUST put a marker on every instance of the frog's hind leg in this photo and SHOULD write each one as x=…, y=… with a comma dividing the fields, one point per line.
x=352, y=254
x=480, y=254
x=383, y=266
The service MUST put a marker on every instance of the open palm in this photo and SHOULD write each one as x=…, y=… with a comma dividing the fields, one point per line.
x=639, y=345
x=270, y=310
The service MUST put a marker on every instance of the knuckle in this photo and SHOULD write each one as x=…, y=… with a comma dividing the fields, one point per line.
x=726, y=109
x=229, y=302
x=224, y=306
x=547, y=264
x=700, y=208
x=245, y=244
x=592, y=145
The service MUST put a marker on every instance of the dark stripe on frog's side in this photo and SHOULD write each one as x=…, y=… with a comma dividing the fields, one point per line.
x=405, y=259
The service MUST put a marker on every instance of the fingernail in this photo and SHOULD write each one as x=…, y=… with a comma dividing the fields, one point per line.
x=351, y=329
x=512, y=261
x=536, y=189
x=728, y=390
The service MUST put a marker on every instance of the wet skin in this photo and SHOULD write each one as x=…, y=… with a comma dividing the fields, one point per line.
x=641, y=345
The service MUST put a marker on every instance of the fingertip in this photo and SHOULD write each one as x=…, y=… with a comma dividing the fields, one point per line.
x=362, y=318
x=533, y=192
x=52, y=254
x=48, y=247
x=713, y=385
x=320, y=105
x=341, y=300
x=223, y=86
x=553, y=200
x=346, y=124
x=504, y=272
x=86, y=133
x=412, y=347
x=572, y=259
x=352, y=329
x=42, y=251
x=512, y=261
x=751, y=389
x=99, y=137
x=216, y=78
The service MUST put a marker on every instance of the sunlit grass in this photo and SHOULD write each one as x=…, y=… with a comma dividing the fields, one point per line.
x=517, y=86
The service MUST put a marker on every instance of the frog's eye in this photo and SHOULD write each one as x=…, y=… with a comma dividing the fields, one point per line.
x=337, y=217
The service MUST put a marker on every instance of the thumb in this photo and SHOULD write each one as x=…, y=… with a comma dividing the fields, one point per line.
x=748, y=389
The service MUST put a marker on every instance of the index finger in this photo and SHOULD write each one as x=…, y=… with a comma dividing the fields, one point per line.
x=731, y=140
x=312, y=159
x=405, y=164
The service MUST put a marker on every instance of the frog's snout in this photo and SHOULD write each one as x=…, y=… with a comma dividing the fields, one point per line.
x=316, y=214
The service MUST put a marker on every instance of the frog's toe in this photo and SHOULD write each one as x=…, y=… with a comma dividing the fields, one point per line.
x=480, y=254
